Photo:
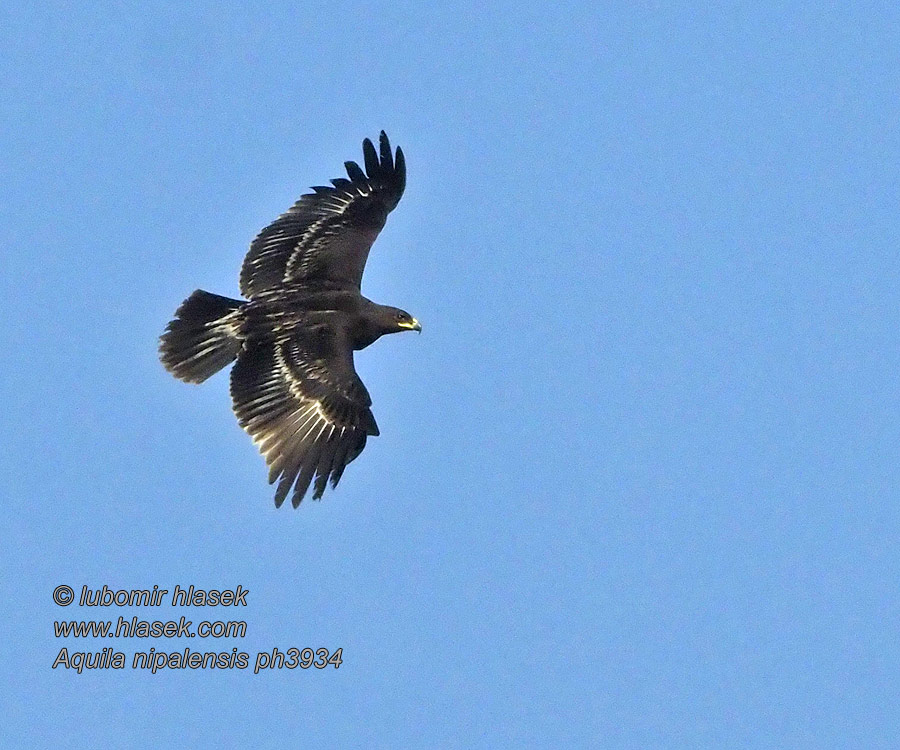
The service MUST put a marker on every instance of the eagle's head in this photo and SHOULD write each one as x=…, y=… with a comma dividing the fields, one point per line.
x=400, y=320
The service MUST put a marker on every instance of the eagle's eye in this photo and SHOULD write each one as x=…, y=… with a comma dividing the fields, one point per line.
x=401, y=316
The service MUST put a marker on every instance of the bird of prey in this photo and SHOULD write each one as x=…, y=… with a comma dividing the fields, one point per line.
x=294, y=388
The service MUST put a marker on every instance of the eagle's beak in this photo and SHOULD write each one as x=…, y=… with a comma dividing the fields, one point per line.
x=413, y=325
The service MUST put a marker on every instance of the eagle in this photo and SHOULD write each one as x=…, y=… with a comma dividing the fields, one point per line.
x=294, y=387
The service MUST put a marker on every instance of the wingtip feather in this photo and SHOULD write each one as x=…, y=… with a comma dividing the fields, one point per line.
x=371, y=159
x=400, y=169
x=387, y=159
x=354, y=172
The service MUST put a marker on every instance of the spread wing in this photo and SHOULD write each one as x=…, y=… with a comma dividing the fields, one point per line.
x=304, y=406
x=326, y=235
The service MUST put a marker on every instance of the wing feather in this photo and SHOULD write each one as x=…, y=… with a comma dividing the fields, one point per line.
x=355, y=173
x=326, y=235
x=371, y=159
x=305, y=407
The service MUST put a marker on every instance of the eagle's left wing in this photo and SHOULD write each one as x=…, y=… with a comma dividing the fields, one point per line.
x=305, y=407
x=326, y=235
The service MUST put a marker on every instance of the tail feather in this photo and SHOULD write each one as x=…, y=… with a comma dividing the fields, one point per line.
x=204, y=336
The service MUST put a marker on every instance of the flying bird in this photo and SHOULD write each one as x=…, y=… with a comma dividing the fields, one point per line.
x=294, y=388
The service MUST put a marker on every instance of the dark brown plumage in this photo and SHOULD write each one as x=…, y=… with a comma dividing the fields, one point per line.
x=294, y=387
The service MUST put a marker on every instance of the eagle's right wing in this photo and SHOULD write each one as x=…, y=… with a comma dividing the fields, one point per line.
x=326, y=235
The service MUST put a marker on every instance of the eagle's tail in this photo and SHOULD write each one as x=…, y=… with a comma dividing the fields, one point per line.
x=204, y=337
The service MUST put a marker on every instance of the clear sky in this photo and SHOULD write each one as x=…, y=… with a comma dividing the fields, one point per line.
x=636, y=485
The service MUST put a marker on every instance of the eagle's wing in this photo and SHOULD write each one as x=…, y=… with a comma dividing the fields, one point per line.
x=326, y=235
x=305, y=407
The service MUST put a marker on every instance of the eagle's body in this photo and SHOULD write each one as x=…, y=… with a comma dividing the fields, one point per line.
x=352, y=315
x=294, y=387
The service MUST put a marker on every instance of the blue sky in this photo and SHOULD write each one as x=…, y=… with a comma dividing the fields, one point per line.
x=637, y=480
